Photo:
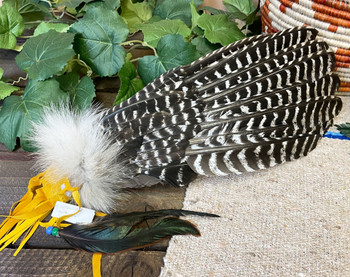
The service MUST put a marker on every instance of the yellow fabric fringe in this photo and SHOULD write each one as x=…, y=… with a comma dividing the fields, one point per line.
x=96, y=264
x=34, y=207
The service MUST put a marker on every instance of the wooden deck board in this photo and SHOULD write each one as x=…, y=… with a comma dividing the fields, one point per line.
x=44, y=255
x=16, y=168
x=73, y=263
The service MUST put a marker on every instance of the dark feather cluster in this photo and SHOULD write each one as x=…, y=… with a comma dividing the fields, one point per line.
x=119, y=232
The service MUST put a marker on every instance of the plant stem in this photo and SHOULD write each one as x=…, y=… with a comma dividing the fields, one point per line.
x=70, y=15
x=18, y=48
x=81, y=62
x=135, y=60
x=134, y=47
x=132, y=42
x=20, y=79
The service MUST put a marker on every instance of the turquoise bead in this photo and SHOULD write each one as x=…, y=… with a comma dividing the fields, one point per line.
x=54, y=232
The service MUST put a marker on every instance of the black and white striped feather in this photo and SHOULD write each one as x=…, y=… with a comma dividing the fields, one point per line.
x=250, y=105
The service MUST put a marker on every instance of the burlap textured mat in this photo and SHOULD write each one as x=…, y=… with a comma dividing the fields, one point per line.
x=291, y=220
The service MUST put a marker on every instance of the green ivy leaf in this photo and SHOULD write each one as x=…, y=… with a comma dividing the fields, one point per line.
x=129, y=83
x=196, y=2
x=204, y=46
x=11, y=26
x=71, y=4
x=112, y=4
x=46, y=54
x=241, y=9
x=135, y=13
x=30, y=11
x=153, y=19
x=5, y=89
x=44, y=27
x=170, y=9
x=99, y=34
x=153, y=32
x=198, y=31
x=84, y=93
x=18, y=112
x=344, y=129
x=194, y=14
x=173, y=51
x=68, y=82
x=152, y=3
x=107, y=4
x=218, y=29
x=81, y=91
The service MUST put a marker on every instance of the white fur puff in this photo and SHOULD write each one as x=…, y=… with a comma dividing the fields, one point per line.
x=72, y=144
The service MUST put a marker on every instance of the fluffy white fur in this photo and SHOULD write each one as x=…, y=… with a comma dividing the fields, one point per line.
x=72, y=144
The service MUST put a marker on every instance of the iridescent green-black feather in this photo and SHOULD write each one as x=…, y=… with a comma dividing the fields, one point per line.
x=118, y=232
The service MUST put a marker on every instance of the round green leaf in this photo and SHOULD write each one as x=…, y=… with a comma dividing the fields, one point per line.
x=129, y=83
x=172, y=51
x=84, y=93
x=195, y=15
x=99, y=34
x=218, y=29
x=170, y=9
x=204, y=46
x=81, y=91
x=6, y=89
x=71, y=4
x=44, y=27
x=46, y=54
x=107, y=4
x=153, y=32
x=112, y=4
x=240, y=8
x=136, y=13
x=18, y=112
x=31, y=12
x=11, y=26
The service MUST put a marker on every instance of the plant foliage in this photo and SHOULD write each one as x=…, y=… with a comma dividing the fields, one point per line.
x=72, y=42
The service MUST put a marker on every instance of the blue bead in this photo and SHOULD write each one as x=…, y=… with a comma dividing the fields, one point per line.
x=335, y=135
x=49, y=230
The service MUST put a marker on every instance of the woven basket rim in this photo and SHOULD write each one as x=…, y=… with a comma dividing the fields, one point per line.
x=285, y=21
x=290, y=15
x=275, y=18
x=304, y=7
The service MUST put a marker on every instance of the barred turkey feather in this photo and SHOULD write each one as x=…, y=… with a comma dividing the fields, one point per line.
x=248, y=106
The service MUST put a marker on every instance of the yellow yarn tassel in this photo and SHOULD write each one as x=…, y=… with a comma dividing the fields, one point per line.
x=34, y=207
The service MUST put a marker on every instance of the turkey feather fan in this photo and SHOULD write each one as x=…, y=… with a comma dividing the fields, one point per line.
x=248, y=106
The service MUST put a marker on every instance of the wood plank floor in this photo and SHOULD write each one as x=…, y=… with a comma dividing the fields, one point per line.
x=49, y=256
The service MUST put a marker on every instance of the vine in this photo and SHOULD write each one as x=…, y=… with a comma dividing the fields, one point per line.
x=68, y=43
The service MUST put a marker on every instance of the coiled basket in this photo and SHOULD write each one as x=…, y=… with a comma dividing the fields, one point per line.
x=330, y=17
